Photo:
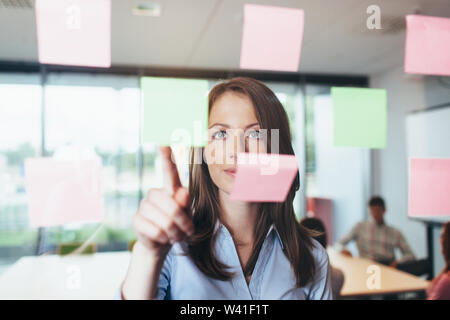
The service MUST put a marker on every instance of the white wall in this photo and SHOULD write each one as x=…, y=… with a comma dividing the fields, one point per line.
x=389, y=166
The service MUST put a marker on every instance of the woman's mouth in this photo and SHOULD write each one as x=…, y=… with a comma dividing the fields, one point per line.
x=231, y=171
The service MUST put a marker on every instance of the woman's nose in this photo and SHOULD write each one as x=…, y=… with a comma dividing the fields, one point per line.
x=237, y=144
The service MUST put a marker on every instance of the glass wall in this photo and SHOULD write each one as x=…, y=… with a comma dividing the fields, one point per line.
x=20, y=138
x=101, y=115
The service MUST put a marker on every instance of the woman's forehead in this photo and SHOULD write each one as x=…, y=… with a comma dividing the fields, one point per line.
x=232, y=109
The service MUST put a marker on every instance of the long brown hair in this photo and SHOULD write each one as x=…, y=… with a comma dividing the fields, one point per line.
x=296, y=240
x=446, y=245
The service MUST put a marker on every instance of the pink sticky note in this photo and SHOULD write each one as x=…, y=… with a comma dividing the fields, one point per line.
x=61, y=192
x=74, y=32
x=427, y=49
x=429, y=187
x=263, y=177
x=271, y=38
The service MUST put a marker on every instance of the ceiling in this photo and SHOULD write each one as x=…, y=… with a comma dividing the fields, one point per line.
x=206, y=34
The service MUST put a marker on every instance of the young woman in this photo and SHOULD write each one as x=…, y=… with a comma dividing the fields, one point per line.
x=200, y=244
x=439, y=288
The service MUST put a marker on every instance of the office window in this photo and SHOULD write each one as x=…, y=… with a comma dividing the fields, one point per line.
x=20, y=138
x=97, y=114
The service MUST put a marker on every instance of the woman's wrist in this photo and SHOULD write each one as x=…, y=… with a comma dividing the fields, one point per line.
x=141, y=281
x=152, y=255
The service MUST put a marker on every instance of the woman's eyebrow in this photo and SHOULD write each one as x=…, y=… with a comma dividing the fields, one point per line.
x=251, y=125
x=219, y=125
x=227, y=126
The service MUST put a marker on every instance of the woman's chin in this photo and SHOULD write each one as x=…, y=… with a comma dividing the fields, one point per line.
x=225, y=189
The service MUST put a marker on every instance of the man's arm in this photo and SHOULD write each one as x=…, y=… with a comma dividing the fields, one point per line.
x=351, y=235
x=407, y=254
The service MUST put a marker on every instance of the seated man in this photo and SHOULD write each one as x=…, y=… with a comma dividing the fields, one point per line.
x=376, y=240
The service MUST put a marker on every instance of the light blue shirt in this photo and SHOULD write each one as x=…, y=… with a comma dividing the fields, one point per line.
x=272, y=277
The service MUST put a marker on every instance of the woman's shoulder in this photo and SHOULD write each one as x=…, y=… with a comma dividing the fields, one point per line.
x=445, y=278
x=440, y=287
x=172, y=259
x=319, y=253
x=442, y=279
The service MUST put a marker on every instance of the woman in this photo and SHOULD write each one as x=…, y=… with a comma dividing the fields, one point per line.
x=200, y=244
x=439, y=288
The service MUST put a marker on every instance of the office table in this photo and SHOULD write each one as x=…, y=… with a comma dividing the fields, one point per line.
x=358, y=270
x=95, y=276
x=98, y=276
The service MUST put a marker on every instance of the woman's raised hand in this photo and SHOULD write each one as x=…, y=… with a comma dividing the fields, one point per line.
x=164, y=214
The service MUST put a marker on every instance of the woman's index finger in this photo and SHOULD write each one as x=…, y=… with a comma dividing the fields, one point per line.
x=170, y=172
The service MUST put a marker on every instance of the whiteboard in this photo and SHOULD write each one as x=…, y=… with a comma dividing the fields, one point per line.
x=428, y=136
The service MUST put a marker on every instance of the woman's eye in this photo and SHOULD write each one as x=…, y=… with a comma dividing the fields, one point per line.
x=219, y=134
x=254, y=134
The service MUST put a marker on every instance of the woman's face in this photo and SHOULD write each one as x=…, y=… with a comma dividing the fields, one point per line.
x=233, y=128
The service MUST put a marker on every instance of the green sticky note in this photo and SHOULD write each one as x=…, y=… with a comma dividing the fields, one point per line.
x=175, y=111
x=359, y=117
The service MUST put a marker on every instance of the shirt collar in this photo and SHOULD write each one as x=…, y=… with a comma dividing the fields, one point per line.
x=383, y=225
x=272, y=229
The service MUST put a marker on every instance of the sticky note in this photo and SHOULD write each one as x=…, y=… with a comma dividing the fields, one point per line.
x=427, y=48
x=60, y=192
x=359, y=117
x=271, y=38
x=175, y=111
x=429, y=187
x=263, y=177
x=74, y=32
